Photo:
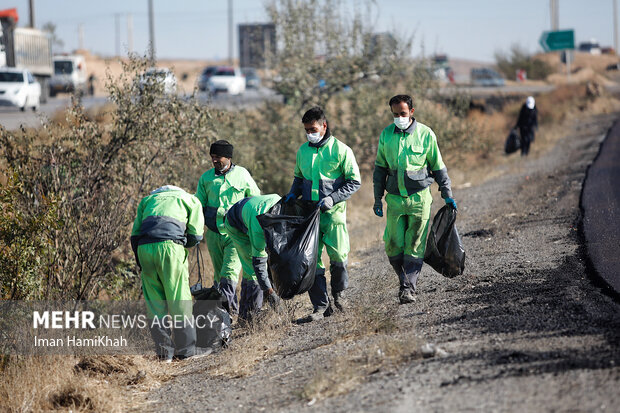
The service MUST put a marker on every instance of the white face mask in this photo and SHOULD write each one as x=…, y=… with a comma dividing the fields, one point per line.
x=402, y=122
x=314, y=137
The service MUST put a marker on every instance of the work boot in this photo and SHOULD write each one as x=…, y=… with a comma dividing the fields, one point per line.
x=339, y=300
x=316, y=315
x=405, y=296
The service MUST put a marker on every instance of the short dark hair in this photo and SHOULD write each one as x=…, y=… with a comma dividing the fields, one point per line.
x=314, y=114
x=402, y=98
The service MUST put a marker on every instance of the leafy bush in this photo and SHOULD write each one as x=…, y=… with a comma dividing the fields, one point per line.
x=517, y=59
x=97, y=173
x=21, y=243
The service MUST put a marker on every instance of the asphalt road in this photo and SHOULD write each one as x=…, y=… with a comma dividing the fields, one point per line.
x=13, y=118
x=600, y=201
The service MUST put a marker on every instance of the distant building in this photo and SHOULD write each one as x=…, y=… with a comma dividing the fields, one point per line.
x=257, y=45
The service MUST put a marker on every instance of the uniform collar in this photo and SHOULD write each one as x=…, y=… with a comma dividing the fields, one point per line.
x=322, y=141
x=217, y=173
x=409, y=130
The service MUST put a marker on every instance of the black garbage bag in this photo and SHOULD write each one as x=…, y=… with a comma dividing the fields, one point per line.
x=444, y=250
x=292, y=241
x=513, y=142
x=212, y=318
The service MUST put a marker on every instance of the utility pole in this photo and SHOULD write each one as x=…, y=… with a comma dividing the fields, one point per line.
x=81, y=36
x=130, y=33
x=230, y=31
x=151, y=33
x=117, y=33
x=615, y=26
x=31, y=4
x=555, y=14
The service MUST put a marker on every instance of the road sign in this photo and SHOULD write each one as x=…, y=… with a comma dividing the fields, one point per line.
x=558, y=40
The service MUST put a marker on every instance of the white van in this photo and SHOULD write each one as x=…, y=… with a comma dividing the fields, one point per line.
x=69, y=75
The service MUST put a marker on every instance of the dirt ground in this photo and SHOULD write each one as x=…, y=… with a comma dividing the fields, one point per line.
x=524, y=329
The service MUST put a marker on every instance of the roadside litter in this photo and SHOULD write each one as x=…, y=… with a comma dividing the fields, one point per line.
x=444, y=250
x=211, y=312
x=513, y=143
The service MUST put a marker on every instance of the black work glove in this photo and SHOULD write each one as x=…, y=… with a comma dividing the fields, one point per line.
x=378, y=207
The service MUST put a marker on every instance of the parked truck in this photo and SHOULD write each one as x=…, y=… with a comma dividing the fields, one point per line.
x=69, y=75
x=26, y=48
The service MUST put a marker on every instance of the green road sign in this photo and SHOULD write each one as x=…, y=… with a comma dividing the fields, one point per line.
x=560, y=40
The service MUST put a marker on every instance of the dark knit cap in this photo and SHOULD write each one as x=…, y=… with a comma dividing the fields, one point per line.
x=221, y=148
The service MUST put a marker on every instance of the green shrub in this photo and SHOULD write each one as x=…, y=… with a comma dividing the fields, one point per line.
x=518, y=58
x=21, y=243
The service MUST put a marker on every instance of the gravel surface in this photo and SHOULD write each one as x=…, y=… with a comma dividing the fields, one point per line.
x=524, y=329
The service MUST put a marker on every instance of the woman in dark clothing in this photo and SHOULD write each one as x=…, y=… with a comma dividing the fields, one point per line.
x=528, y=120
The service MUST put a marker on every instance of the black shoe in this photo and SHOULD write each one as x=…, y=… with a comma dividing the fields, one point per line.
x=315, y=316
x=164, y=359
x=340, y=300
x=405, y=296
x=198, y=353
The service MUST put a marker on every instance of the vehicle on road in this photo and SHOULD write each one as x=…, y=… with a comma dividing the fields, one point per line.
x=203, y=79
x=227, y=79
x=18, y=88
x=27, y=49
x=159, y=76
x=69, y=75
x=484, y=76
x=592, y=46
x=252, y=81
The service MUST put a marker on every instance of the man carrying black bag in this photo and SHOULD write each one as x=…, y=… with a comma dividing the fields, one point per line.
x=247, y=235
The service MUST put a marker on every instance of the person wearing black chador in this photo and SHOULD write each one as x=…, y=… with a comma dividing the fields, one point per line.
x=528, y=120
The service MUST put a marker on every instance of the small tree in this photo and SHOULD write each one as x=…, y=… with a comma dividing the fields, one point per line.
x=50, y=28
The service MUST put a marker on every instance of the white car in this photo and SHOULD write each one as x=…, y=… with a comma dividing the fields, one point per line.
x=160, y=75
x=18, y=88
x=227, y=79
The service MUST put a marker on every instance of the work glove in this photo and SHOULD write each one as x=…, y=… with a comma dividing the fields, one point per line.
x=273, y=299
x=378, y=207
x=451, y=202
x=326, y=203
x=289, y=197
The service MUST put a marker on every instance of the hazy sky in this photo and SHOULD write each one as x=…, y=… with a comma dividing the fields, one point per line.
x=472, y=29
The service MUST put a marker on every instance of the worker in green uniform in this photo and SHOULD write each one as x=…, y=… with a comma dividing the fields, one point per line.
x=408, y=161
x=326, y=172
x=168, y=221
x=218, y=189
x=249, y=239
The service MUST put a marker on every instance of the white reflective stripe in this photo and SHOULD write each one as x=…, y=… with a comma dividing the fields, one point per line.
x=166, y=188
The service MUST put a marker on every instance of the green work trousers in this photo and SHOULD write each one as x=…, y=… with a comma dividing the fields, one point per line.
x=407, y=224
x=165, y=285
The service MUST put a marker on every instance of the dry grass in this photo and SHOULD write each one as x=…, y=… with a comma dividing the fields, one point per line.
x=384, y=352
x=256, y=341
x=66, y=383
